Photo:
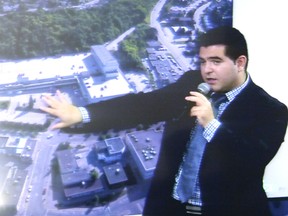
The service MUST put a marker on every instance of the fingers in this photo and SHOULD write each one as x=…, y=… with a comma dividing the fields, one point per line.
x=58, y=126
x=58, y=106
x=48, y=110
x=61, y=96
x=53, y=105
x=50, y=101
x=53, y=101
x=196, y=97
x=202, y=110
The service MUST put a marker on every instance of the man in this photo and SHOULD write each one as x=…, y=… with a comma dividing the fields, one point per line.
x=238, y=138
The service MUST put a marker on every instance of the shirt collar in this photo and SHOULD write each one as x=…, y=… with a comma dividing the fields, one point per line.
x=233, y=93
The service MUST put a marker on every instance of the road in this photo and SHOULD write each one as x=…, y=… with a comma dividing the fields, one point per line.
x=165, y=39
x=198, y=14
x=114, y=44
x=39, y=177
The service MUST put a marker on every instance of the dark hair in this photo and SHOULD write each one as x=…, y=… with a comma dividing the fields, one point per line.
x=232, y=38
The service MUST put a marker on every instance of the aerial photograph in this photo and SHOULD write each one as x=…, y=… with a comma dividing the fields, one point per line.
x=92, y=51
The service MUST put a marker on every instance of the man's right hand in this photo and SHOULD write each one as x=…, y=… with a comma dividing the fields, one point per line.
x=202, y=109
x=61, y=108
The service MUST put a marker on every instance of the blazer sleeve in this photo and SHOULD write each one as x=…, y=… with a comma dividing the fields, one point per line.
x=144, y=108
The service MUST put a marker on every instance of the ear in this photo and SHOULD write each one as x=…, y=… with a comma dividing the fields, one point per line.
x=241, y=62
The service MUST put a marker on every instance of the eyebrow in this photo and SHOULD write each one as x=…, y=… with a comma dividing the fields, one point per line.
x=212, y=58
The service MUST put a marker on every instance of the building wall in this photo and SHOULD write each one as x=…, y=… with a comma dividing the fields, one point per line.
x=107, y=64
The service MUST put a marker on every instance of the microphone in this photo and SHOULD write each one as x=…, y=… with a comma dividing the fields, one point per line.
x=204, y=88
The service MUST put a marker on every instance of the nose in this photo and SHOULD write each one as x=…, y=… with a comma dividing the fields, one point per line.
x=206, y=68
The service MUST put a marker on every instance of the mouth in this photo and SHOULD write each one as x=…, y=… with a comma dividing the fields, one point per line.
x=211, y=81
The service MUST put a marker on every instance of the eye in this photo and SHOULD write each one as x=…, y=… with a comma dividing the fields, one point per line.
x=216, y=62
x=202, y=61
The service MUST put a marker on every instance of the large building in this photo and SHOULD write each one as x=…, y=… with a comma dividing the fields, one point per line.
x=77, y=172
x=76, y=179
x=106, y=63
x=145, y=147
x=21, y=148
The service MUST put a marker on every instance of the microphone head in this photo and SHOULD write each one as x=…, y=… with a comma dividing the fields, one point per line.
x=204, y=88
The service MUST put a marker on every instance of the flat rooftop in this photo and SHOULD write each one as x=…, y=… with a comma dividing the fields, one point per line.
x=52, y=67
x=42, y=68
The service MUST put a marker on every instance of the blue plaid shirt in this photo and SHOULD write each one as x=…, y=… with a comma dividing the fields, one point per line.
x=211, y=128
x=208, y=134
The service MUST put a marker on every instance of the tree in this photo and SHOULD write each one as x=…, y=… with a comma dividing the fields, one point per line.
x=41, y=33
x=94, y=174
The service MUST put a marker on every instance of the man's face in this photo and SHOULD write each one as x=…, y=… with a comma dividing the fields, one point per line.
x=219, y=71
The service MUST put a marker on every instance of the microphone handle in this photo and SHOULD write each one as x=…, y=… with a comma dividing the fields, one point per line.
x=204, y=89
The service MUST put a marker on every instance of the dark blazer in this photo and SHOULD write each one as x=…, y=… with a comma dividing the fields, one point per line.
x=253, y=128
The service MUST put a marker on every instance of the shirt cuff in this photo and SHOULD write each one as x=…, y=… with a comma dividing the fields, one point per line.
x=210, y=129
x=85, y=115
